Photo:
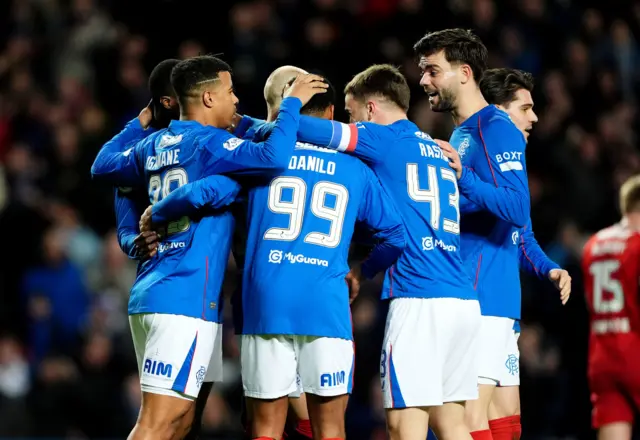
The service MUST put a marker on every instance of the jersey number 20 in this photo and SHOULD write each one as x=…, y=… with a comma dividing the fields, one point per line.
x=157, y=185
x=296, y=210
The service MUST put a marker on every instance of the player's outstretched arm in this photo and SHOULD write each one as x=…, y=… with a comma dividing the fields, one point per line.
x=507, y=196
x=232, y=155
x=245, y=126
x=378, y=213
x=531, y=256
x=213, y=192
x=533, y=260
x=363, y=139
x=246, y=157
x=110, y=161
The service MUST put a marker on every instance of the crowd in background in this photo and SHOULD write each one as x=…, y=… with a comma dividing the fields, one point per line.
x=72, y=72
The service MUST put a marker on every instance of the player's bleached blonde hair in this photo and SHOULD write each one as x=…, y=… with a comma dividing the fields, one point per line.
x=275, y=85
x=630, y=195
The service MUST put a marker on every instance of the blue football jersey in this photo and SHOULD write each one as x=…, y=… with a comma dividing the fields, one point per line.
x=495, y=207
x=300, y=226
x=414, y=172
x=185, y=277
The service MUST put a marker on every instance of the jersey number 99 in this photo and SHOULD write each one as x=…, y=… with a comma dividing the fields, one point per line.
x=295, y=209
x=175, y=177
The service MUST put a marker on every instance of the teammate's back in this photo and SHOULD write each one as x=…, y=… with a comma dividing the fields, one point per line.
x=415, y=172
x=425, y=191
x=296, y=318
x=170, y=159
x=300, y=243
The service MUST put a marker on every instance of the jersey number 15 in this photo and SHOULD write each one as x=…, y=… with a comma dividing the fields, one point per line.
x=603, y=281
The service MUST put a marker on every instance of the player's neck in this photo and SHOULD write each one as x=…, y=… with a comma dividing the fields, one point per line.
x=468, y=106
x=198, y=116
x=633, y=220
x=272, y=115
x=389, y=117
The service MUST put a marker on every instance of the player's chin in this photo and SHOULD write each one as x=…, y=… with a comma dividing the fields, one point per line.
x=438, y=106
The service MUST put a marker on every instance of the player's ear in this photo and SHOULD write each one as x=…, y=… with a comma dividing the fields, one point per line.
x=466, y=74
x=207, y=99
x=328, y=113
x=371, y=108
x=166, y=102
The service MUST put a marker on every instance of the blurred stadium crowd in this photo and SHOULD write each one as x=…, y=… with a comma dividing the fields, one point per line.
x=72, y=72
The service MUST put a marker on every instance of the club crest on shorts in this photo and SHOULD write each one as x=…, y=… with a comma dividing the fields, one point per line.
x=512, y=364
x=200, y=376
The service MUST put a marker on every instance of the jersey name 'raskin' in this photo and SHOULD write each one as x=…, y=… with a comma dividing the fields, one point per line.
x=163, y=159
x=433, y=151
x=312, y=163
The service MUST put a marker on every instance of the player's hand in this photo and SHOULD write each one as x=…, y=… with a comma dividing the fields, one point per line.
x=353, y=278
x=234, y=123
x=305, y=86
x=147, y=244
x=452, y=155
x=145, y=223
x=146, y=116
x=562, y=280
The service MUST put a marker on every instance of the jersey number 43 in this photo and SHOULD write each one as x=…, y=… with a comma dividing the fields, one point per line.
x=432, y=195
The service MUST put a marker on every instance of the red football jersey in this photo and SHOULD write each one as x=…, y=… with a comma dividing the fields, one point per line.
x=611, y=268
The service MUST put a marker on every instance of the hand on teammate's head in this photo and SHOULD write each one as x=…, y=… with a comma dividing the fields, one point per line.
x=304, y=87
x=146, y=116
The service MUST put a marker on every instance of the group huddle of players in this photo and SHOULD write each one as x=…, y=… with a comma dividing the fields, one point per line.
x=448, y=222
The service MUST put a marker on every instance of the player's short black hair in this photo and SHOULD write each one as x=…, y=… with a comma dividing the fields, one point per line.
x=499, y=86
x=160, y=79
x=382, y=80
x=320, y=102
x=189, y=75
x=459, y=46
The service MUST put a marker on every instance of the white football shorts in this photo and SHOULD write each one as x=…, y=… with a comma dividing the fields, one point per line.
x=498, y=356
x=274, y=366
x=429, y=352
x=298, y=391
x=176, y=354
